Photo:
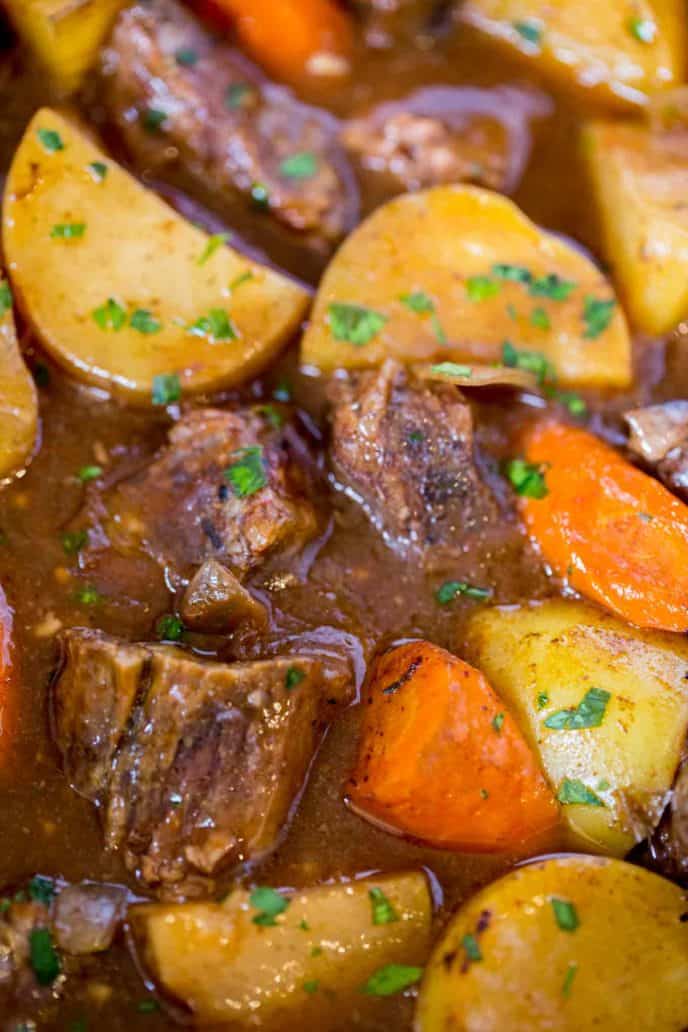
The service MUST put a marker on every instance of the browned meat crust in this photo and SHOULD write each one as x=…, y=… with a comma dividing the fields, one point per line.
x=659, y=437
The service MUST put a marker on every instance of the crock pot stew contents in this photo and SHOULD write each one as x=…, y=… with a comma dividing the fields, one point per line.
x=344, y=515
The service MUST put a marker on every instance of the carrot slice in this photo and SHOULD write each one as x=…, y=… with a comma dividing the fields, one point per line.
x=284, y=35
x=617, y=535
x=6, y=716
x=442, y=760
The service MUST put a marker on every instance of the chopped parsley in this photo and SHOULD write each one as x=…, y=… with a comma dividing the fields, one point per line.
x=260, y=196
x=282, y=391
x=87, y=473
x=541, y=700
x=51, y=140
x=420, y=303
x=452, y=369
x=642, y=29
x=498, y=722
x=416, y=437
x=391, y=979
x=43, y=955
x=529, y=31
x=451, y=589
x=531, y=361
x=149, y=1006
x=87, y=596
x=588, y=713
x=167, y=389
x=236, y=94
x=597, y=315
x=512, y=273
x=269, y=903
x=573, y=792
x=568, y=980
x=527, y=478
x=247, y=474
x=169, y=628
x=110, y=316
x=41, y=374
x=74, y=540
x=304, y=925
x=145, y=322
x=539, y=319
x=243, y=277
x=481, y=288
x=484, y=794
x=215, y=242
x=576, y=405
x=41, y=890
x=186, y=57
x=68, y=231
x=472, y=949
x=354, y=324
x=98, y=170
x=311, y=986
x=299, y=166
x=5, y=298
x=153, y=119
x=552, y=287
x=383, y=911
x=272, y=416
x=293, y=678
x=565, y=914
x=216, y=327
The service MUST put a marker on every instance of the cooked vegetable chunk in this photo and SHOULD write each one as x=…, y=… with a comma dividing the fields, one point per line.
x=574, y=943
x=615, y=533
x=152, y=317
x=442, y=759
x=640, y=182
x=620, y=53
x=267, y=959
x=18, y=402
x=64, y=36
x=605, y=705
x=456, y=271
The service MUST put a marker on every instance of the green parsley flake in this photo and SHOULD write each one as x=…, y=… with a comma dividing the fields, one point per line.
x=576, y=405
x=304, y=925
x=169, y=628
x=110, y=316
x=299, y=166
x=74, y=540
x=391, y=979
x=153, y=119
x=472, y=948
x=383, y=911
x=418, y=302
x=531, y=361
x=167, y=389
x=565, y=914
x=98, y=170
x=484, y=794
x=5, y=298
x=540, y=319
x=68, y=231
x=512, y=273
x=216, y=326
x=282, y=392
x=568, y=980
x=145, y=322
x=354, y=324
x=573, y=792
x=588, y=713
x=311, y=986
x=41, y=890
x=642, y=29
x=271, y=415
x=236, y=94
x=51, y=140
x=87, y=473
x=186, y=57
x=451, y=589
x=269, y=903
x=87, y=596
x=243, y=277
x=597, y=315
x=552, y=287
x=260, y=196
x=498, y=722
x=541, y=700
x=148, y=1006
x=527, y=479
x=215, y=242
x=481, y=288
x=43, y=955
x=529, y=31
x=247, y=475
x=452, y=369
x=293, y=678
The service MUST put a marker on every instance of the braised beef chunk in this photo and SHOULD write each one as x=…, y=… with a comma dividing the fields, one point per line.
x=209, y=760
x=659, y=436
x=212, y=115
x=216, y=602
x=404, y=448
x=226, y=486
x=668, y=847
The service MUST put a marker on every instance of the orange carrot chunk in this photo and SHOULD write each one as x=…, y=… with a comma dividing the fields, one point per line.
x=441, y=759
x=615, y=533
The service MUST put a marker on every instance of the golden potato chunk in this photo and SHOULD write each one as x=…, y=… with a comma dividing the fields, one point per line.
x=576, y=944
x=122, y=291
x=18, y=402
x=640, y=182
x=456, y=273
x=617, y=54
x=605, y=705
x=269, y=959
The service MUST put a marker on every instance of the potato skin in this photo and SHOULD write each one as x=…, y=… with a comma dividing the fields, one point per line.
x=543, y=658
x=18, y=403
x=624, y=966
x=139, y=252
x=440, y=243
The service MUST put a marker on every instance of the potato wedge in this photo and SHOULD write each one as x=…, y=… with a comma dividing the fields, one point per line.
x=627, y=51
x=574, y=943
x=452, y=273
x=605, y=704
x=18, y=402
x=220, y=961
x=640, y=183
x=64, y=35
x=121, y=289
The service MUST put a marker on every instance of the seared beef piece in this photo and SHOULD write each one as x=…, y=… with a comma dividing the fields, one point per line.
x=215, y=602
x=668, y=847
x=659, y=436
x=87, y=915
x=208, y=761
x=222, y=125
x=404, y=448
x=182, y=509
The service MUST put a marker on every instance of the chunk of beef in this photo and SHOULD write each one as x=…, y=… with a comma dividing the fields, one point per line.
x=668, y=847
x=659, y=436
x=185, y=507
x=201, y=772
x=87, y=915
x=404, y=448
x=215, y=601
x=182, y=99
x=448, y=135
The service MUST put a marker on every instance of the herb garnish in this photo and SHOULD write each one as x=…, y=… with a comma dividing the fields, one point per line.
x=110, y=316
x=271, y=415
x=573, y=792
x=539, y=319
x=529, y=31
x=299, y=166
x=216, y=327
x=552, y=287
x=236, y=94
x=527, y=478
x=153, y=119
x=145, y=322
x=293, y=678
x=642, y=29
x=473, y=951
x=215, y=242
x=391, y=979
x=87, y=473
x=148, y=1006
x=451, y=589
x=269, y=903
x=383, y=911
x=452, y=369
x=260, y=195
x=167, y=389
x=169, y=628
x=5, y=298
x=588, y=713
x=44, y=958
x=568, y=981
x=597, y=315
x=530, y=361
x=41, y=890
x=498, y=722
x=565, y=914
x=68, y=231
x=311, y=986
x=51, y=140
x=247, y=474
x=420, y=303
x=186, y=57
x=512, y=273
x=480, y=288
x=354, y=324
x=576, y=405
x=541, y=700
x=87, y=596
x=98, y=170
x=74, y=540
